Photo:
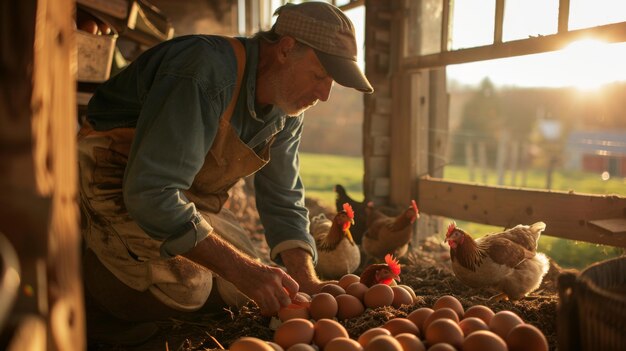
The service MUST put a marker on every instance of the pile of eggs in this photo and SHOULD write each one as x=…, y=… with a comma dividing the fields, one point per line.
x=310, y=324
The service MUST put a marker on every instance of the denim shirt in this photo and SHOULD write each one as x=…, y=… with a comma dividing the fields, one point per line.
x=174, y=95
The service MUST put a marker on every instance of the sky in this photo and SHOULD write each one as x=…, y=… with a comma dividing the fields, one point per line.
x=585, y=65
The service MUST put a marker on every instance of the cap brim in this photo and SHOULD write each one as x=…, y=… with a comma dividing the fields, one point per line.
x=345, y=72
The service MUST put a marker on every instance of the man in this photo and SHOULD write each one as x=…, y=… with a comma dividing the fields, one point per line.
x=168, y=136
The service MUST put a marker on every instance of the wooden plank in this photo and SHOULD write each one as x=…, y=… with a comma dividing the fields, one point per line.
x=610, y=33
x=498, y=22
x=613, y=225
x=567, y=215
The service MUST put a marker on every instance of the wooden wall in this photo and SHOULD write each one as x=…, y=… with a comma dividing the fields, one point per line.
x=39, y=212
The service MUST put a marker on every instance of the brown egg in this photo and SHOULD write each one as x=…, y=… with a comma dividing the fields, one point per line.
x=369, y=334
x=410, y=342
x=401, y=325
x=293, y=311
x=471, y=324
x=302, y=347
x=484, y=340
x=378, y=295
x=383, y=343
x=480, y=311
x=348, y=307
x=444, y=330
x=326, y=330
x=401, y=297
x=357, y=290
x=302, y=299
x=343, y=344
x=502, y=323
x=526, y=337
x=323, y=305
x=410, y=291
x=419, y=316
x=333, y=289
x=450, y=302
x=294, y=331
x=348, y=279
x=444, y=312
x=250, y=344
x=442, y=346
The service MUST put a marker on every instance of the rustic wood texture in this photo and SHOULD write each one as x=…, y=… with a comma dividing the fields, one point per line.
x=567, y=215
x=37, y=134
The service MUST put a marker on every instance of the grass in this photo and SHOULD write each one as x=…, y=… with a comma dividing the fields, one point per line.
x=320, y=173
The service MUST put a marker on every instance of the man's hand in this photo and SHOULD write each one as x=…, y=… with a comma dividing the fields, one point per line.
x=270, y=287
x=299, y=264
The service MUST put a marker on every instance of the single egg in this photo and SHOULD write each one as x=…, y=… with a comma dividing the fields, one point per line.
x=526, y=337
x=250, y=344
x=323, y=305
x=480, y=311
x=444, y=330
x=471, y=324
x=484, y=340
x=442, y=346
x=343, y=344
x=302, y=299
x=294, y=331
x=326, y=330
x=401, y=325
x=302, y=347
x=410, y=342
x=369, y=334
x=293, y=311
x=442, y=313
x=401, y=297
x=378, y=295
x=348, y=307
x=348, y=279
x=357, y=290
x=333, y=289
x=503, y=321
x=450, y=302
x=383, y=343
x=419, y=316
x=410, y=291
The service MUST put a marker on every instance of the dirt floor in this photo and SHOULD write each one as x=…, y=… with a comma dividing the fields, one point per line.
x=426, y=270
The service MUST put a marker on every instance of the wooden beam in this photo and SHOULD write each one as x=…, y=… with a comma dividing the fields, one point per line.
x=498, y=22
x=610, y=33
x=563, y=24
x=567, y=215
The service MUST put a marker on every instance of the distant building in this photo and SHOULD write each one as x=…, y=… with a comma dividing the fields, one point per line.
x=597, y=151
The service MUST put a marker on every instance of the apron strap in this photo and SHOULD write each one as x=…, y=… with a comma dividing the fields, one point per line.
x=240, y=54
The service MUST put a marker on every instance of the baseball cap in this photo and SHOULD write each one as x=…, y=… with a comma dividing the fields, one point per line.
x=330, y=33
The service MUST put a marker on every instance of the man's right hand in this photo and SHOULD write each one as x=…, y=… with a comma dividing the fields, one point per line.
x=269, y=287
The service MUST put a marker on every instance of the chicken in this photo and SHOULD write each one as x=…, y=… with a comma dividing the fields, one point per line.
x=388, y=235
x=507, y=262
x=337, y=252
x=359, y=226
x=381, y=273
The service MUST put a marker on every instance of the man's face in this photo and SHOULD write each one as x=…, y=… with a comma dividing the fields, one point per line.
x=301, y=82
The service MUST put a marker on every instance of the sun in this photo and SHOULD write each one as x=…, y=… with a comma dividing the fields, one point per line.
x=589, y=64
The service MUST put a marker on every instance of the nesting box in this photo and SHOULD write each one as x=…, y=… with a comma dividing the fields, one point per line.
x=592, y=308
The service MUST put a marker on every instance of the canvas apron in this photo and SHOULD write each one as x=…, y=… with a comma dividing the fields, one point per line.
x=125, y=249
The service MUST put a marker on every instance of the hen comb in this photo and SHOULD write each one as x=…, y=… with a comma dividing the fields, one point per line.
x=349, y=211
x=451, y=227
x=393, y=264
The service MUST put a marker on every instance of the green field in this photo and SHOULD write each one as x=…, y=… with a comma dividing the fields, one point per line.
x=321, y=172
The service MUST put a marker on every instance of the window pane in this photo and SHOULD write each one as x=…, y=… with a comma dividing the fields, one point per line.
x=426, y=18
x=472, y=23
x=518, y=14
x=591, y=13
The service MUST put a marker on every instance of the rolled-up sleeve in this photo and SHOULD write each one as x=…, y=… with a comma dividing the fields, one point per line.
x=280, y=195
x=172, y=138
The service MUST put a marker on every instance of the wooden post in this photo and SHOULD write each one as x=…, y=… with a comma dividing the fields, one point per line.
x=514, y=161
x=39, y=212
x=482, y=160
x=469, y=160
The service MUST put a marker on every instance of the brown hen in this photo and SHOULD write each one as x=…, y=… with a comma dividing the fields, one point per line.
x=507, y=262
x=388, y=235
x=381, y=273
